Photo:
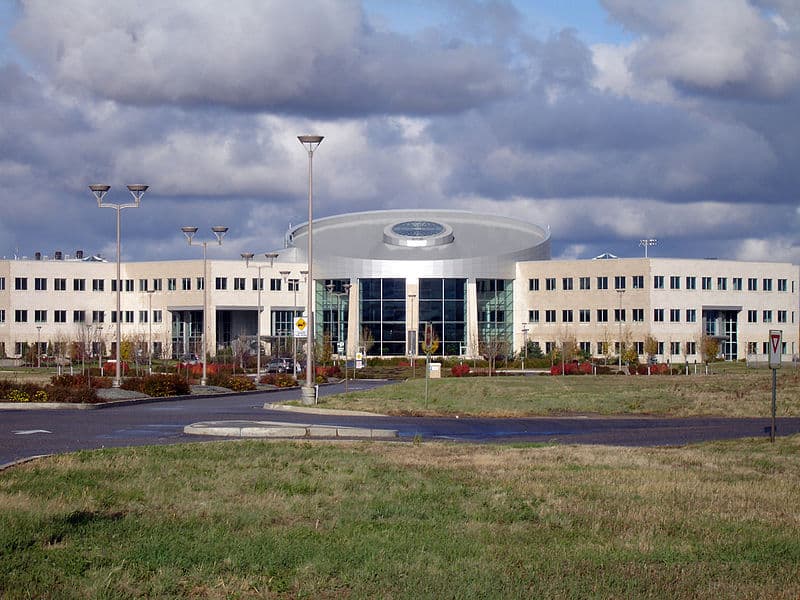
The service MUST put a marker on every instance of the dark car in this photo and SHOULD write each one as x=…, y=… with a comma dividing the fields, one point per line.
x=280, y=365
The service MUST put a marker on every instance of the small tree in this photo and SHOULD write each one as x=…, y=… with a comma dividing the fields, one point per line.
x=650, y=347
x=367, y=341
x=709, y=348
x=323, y=349
x=535, y=350
x=490, y=348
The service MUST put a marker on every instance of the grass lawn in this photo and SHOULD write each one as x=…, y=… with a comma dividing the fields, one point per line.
x=392, y=520
x=732, y=392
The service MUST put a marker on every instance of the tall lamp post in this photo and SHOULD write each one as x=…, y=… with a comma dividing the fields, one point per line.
x=137, y=191
x=38, y=347
x=310, y=143
x=150, y=330
x=620, y=292
x=412, y=336
x=248, y=256
x=219, y=232
x=524, y=344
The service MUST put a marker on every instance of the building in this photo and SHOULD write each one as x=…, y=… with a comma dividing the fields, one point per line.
x=379, y=276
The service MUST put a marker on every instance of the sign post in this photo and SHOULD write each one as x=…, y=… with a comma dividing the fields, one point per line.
x=775, y=347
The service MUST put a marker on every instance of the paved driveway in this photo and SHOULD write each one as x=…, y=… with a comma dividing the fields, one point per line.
x=26, y=433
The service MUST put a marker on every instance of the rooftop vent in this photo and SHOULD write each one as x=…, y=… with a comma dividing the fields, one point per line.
x=37, y=256
x=59, y=255
x=79, y=254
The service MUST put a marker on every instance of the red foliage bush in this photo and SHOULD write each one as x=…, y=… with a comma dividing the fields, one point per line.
x=281, y=380
x=460, y=370
x=572, y=368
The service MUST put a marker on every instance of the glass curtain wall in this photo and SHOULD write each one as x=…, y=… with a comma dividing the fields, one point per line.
x=496, y=314
x=187, y=332
x=383, y=315
x=332, y=305
x=442, y=302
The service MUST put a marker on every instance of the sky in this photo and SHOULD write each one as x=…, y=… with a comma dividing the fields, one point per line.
x=610, y=121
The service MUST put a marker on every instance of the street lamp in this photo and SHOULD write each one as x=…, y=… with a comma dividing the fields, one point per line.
x=219, y=232
x=150, y=330
x=525, y=331
x=137, y=191
x=38, y=347
x=647, y=243
x=620, y=292
x=310, y=143
x=412, y=336
x=248, y=256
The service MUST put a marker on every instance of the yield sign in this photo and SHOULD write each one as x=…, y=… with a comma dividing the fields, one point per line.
x=775, y=348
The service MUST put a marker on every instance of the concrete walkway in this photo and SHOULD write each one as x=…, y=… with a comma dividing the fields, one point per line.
x=277, y=429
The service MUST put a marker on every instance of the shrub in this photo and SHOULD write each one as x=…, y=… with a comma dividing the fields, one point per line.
x=329, y=371
x=281, y=380
x=574, y=368
x=460, y=370
x=237, y=383
x=74, y=395
x=158, y=385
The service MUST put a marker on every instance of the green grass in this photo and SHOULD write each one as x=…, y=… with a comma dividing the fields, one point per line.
x=315, y=520
x=733, y=392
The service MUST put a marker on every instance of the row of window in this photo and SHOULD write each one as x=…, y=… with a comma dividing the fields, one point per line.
x=79, y=316
x=584, y=315
x=659, y=283
x=127, y=285
x=675, y=348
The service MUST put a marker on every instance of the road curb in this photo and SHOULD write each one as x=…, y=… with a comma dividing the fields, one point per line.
x=277, y=429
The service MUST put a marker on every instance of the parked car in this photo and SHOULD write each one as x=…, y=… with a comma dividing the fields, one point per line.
x=189, y=359
x=280, y=365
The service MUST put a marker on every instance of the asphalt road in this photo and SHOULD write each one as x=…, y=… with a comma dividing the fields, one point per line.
x=27, y=433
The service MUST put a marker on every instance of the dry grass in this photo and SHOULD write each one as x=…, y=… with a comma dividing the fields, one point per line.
x=289, y=520
x=735, y=393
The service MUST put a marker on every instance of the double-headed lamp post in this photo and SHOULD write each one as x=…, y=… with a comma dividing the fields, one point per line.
x=248, y=256
x=620, y=292
x=310, y=143
x=525, y=331
x=137, y=191
x=219, y=232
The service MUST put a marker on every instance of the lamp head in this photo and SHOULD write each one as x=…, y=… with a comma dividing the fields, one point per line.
x=219, y=231
x=271, y=256
x=189, y=233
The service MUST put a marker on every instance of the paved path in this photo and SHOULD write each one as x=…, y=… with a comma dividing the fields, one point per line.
x=25, y=433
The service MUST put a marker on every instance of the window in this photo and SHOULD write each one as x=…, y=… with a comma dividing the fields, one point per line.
x=619, y=282
x=222, y=283
x=157, y=285
x=186, y=284
x=691, y=283
x=78, y=285
x=142, y=316
x=2, y=283
x=639, y=347
x=752, y=347
x=566, y=283
x=585, y=315
x=566, y=316
x=550, y=284
x=586, y=347
x=691, y=315
x=98, y=285
x=157, y=317
x=172, y=284
x=674, y=282
x=98, y=316
x=20, y=283
x=201, y=283
x=533, y=316
x=752, y=316
x=238, y=283
x=658, y=282
x=706, y=283
x=674, y=315
x=691, y=347
x=258, y=283
x=781, y=316
x=766, y=316
x=59, y=316
x=20, y=316
x=275, y=285
x=40, y=316
x=113, y=316
x=550, y=316
x=752, y=284
x=78, y=316
x=764, y=347
x=128, y=316
x=129, y=285
x=143, y=285
x=533, y=285
x=766, y=285
x=586, y=283
x=782, y=285
x=737, y=284
x=722, y=283
x=294, y=285
x=637, y=282
x=60, y=284
x=660, y=348
x=602, y=315
x=638, y=315
x=658, y=315
x=674, y=348
x=2, y=315
x=602, y=283
x=619, y=315
x=602, y=348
